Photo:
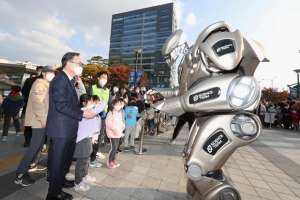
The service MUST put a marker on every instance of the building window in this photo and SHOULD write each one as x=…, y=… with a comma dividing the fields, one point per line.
x=151, y=13
x=116, y=35
x=132, y=33
x=118, y=19
x=118, y=30
x=133, y=17
x=149, y=31
x=164, y=28
x=148, y=37
x=133, y=22
x=118, y=25
x=165, y=11
x=164, y=16
x=164, y=23
x=150, y=25
x=152, y=19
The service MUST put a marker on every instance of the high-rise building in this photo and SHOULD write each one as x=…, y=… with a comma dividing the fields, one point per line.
x=145, y=29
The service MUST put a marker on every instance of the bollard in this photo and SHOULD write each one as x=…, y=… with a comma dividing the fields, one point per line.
x=270, y=120
x=141, y=150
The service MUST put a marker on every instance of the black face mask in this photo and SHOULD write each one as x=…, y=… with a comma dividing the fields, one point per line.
x=132, y=103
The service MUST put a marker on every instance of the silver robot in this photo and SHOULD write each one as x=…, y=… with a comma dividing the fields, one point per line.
x=216, y=83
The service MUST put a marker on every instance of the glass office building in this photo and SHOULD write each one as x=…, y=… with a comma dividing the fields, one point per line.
x=147, y=29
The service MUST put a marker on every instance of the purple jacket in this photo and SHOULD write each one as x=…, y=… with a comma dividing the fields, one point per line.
x=90, y=126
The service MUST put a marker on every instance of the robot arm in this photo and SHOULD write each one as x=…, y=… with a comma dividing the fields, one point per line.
x=168, y=93
x=221, y=93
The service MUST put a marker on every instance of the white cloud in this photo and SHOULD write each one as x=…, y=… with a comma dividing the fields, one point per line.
x=32, y=46
x=191, y=19
x=53, y=26
x=179, y=6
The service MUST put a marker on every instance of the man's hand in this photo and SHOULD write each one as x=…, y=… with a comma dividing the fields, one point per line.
x=43, y=124
x=95, y=142
x=116, y=132
x=88, y=114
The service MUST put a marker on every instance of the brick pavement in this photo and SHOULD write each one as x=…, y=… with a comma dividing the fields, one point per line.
x=266, y=169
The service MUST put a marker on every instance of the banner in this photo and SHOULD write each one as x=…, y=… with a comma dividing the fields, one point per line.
x=132, y=78
x=139, y=77
x=293, y=93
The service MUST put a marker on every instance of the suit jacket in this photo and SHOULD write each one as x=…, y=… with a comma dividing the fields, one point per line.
x=64, y=111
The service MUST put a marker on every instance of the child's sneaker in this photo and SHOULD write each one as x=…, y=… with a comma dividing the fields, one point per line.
x=132, y=148
x=126, y=149
x=172, y=142
x=100, y=155
x=88, y=179
x=18, y=134
x=95, y=164
x=111, y=165
x=4, y=139
x=25, y=180
x=81, y=187
x=116, y=163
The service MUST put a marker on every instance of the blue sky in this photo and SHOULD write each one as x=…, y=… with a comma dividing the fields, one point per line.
x=42, y=31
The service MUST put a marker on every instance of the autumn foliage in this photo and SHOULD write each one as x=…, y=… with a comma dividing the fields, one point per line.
x=120, y=74
x=89, y=75
x=273, y=95
x=117, y=74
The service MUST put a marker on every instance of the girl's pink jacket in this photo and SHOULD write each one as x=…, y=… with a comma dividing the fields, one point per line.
x=114, y=120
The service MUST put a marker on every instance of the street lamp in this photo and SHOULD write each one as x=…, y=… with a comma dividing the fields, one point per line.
x=297, y=72
x=271, y=81
x=137, y=51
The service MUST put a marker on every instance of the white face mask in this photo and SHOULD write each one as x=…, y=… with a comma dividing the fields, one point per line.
x=115, y=89
x=78, y=70
x=137, y=90
x=39, y=73
x=49, y=77
x=102, y=82
x=90, y=106
x=118, y=107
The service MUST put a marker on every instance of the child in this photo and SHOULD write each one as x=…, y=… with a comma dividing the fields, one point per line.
x=87, y=135
x=114, y=130
x=123, y=117
x=131, y=114
x=11, y=109
x=295, y=120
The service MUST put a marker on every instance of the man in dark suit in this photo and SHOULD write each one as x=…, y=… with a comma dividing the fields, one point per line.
x=62, y=125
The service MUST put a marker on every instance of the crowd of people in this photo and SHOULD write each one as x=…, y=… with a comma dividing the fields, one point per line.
x=284, y=114
x=77, y=121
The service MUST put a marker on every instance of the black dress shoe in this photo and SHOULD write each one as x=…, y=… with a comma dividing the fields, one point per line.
x=68, y=184
x=26, y=144
x=62, y=196
x=67, y=195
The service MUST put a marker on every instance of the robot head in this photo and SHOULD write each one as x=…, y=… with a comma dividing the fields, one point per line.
x=176, y=41
x=218, y=48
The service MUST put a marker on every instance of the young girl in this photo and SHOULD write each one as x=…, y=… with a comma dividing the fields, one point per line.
x=114, y=130
x=87, y=135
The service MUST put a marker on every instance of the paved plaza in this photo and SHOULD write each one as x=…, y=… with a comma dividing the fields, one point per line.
x=267, y=169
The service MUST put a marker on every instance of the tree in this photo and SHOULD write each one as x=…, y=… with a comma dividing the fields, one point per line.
x=273, y=95
x=98, y=60
x=118, y=62
x=90, y=71
x=120, y=75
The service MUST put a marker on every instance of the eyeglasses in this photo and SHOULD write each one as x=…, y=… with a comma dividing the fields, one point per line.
x=80, y=64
